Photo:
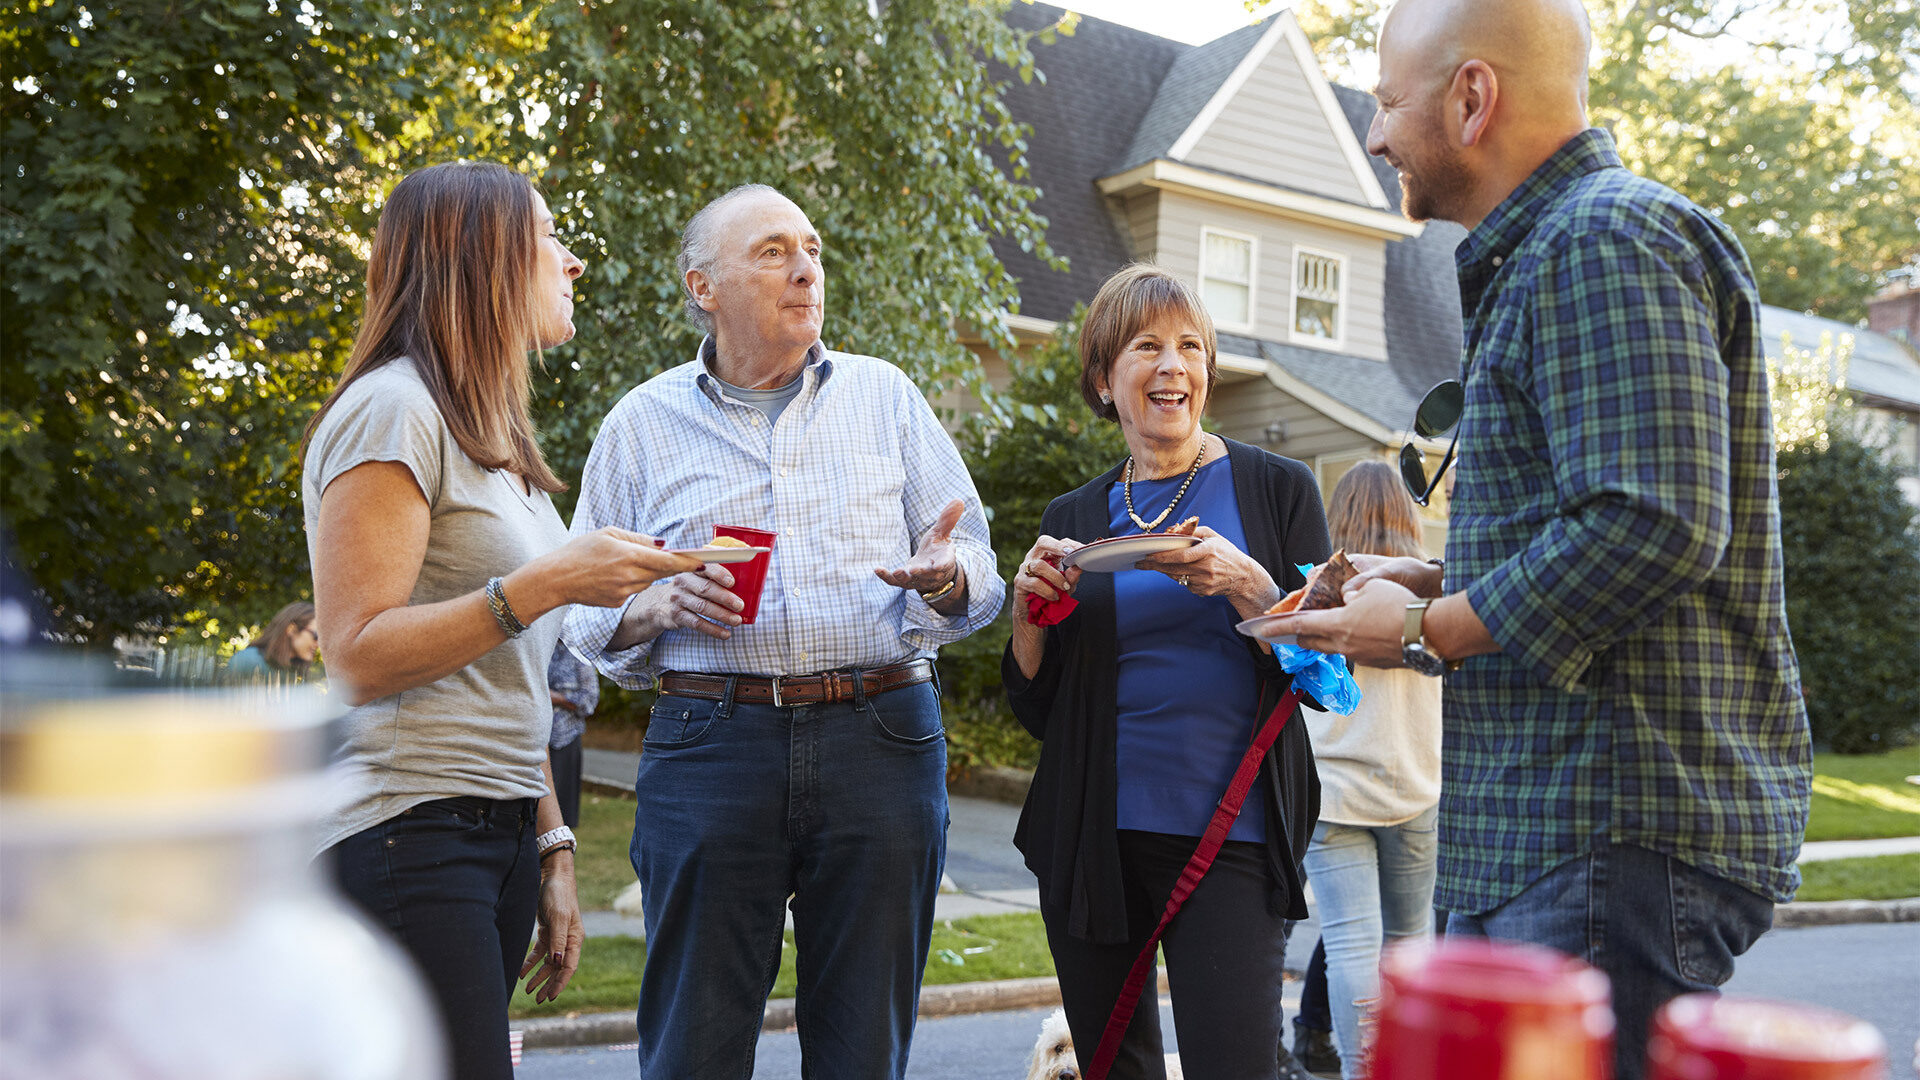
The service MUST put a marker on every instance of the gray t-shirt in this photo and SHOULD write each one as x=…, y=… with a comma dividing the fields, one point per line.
x=483, y=729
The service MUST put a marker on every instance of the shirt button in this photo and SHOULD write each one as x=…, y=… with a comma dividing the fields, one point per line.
x=795, y=593
x=786, y=472
x=1499, y=260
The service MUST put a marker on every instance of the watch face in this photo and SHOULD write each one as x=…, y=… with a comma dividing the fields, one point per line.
x=1422, y=661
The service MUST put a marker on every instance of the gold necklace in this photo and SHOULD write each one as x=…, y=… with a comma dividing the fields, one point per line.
x=1126, y=490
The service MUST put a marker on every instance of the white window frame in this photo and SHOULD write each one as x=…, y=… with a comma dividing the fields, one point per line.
x=1253, y=278
x=1339, y=339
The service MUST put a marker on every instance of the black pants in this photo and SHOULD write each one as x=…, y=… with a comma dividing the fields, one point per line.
x=457, y=884
x=566, y=761
x=1224, y=955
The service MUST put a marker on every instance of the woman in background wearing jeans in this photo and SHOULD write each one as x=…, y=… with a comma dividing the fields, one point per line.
x=437, y=560
x=1371, y=863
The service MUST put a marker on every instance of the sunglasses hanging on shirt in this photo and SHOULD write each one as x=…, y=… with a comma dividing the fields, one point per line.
x=1438, y=413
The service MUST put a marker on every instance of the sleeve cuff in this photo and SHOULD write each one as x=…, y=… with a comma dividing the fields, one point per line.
x=1527, y=629
x=587, y=631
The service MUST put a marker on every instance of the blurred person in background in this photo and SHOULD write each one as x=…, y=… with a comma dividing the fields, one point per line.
x=574, y=688
x=1373, y=857
x=437, y=559
x=285, y=649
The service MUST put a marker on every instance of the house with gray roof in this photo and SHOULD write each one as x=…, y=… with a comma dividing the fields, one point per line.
x=1236, y=165
x=1239, y=167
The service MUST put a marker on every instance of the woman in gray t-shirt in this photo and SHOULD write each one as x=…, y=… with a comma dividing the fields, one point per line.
x=439, y=564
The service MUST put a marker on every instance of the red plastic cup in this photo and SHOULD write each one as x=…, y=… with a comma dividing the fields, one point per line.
x=749, y=576
x=1709, y=1037
x=1474, y=1009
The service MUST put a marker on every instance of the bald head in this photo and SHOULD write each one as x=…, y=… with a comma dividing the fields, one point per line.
x=1538, y=48
x=1476, y=94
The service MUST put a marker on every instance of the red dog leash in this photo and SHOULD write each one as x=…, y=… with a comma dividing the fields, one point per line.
x=1197, y=867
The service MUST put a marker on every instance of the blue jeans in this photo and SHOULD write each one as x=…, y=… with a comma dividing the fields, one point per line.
x=1658, y=927
x=456, y=882
x=842, y=807
x=1369, y=883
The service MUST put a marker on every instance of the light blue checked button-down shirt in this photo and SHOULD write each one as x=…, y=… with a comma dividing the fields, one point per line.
x=851, y=477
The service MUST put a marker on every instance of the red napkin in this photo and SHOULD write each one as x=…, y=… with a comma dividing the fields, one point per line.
x=1048, y=612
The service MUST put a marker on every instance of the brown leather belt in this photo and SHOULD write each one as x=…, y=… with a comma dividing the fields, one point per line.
x=787, y=690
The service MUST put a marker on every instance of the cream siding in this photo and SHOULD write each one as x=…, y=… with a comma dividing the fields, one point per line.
x=1274, y=130
x=1243, y=410
x=1176, y=245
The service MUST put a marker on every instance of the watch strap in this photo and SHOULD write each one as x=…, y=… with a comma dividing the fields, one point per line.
x=553, y=838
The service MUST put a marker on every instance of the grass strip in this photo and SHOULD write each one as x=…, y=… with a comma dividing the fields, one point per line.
x=1865, y=796
x=979, y=949
x=1876, y=877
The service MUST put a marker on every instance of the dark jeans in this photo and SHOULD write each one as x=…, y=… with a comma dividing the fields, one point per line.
x=456, y=882
x=1224, y=952
x=1314, y=1010
x=841, y=807
x=566, y=780
x=1658, y=927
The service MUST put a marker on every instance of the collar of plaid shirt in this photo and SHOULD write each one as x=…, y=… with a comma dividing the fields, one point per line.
x=1614, y=523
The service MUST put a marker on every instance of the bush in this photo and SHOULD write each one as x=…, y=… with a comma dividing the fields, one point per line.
x=1852, y=551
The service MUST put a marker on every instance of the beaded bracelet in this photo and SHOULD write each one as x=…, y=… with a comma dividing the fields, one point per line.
x=510, y=623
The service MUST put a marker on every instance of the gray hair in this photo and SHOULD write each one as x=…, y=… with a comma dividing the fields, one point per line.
x=700, y=249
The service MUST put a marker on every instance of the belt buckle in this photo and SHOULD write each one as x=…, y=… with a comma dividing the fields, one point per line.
x=778, y=703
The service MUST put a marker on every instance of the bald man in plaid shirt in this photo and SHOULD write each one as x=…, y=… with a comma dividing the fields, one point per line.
x=1626, y=762
x=799, y=757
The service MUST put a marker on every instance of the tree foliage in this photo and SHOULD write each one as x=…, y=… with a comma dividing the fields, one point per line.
x=1852, y=549
x=1796, y=121
x=190, y=189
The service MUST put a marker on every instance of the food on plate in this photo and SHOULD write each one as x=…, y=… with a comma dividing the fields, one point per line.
x=728, y=541
x=1185, y=528
x=1323, y=588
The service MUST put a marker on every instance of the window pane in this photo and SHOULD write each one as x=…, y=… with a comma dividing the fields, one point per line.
x=1314, y=318
x=1229, y=258
x=1226, y=302
x=1320, y=278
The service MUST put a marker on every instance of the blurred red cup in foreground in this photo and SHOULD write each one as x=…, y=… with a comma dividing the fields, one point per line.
x=1709, y=1037
x=749, y=576
x=1474, y=1009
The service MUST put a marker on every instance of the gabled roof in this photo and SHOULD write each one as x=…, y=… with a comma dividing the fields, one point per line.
x=1099, y=85
x=1189, y=85
x=1879, y=367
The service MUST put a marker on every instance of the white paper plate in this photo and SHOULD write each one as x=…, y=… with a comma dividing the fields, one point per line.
x=722, y=554
x=1257, y=627
x=1121, y=552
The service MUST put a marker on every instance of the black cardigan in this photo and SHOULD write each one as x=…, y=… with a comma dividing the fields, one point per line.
x=1067, y=830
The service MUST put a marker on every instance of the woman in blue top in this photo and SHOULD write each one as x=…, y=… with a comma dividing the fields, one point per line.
x=1145, y=699
x=284, y=650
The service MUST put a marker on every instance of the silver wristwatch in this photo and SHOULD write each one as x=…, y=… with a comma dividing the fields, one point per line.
x=1413, y=645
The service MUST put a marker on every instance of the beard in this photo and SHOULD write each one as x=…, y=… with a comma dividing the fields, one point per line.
x=1439, y=188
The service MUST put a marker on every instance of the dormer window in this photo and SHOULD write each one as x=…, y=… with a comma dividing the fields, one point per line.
x=1318, y=291
x=1226, y=278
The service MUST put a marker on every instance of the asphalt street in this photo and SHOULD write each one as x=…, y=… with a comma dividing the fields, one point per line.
x=1871, y=970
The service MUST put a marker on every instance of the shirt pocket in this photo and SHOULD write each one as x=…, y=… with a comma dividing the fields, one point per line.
x=872, y=518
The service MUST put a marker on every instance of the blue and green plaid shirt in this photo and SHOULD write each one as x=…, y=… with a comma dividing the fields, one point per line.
x=1615, y=523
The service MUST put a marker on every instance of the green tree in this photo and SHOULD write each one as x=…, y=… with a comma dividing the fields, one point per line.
x=183, y=224
x=879, y=128
x=1852, y=550
x=1793, y=120
x=190, y=190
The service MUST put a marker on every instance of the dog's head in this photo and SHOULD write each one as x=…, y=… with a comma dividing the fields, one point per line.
x=1053, y=1052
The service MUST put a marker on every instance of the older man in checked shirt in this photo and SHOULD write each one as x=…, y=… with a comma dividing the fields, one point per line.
x=800, y=757
x=1625, y=768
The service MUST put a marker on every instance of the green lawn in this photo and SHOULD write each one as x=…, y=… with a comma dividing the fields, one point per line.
x=600, y=866
x=1863, y=796
x=964, y=950
x=1880, y=877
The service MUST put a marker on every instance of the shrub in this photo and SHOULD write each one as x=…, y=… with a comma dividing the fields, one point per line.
x=1852, y=551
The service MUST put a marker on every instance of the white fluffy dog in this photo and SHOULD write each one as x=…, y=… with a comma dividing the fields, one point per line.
x=1053, y=1053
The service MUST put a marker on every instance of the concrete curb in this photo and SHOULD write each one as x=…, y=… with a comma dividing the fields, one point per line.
x=1837, y=912
x=957, y=999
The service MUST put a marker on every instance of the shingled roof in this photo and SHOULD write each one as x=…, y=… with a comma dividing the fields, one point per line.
x=1115, y=97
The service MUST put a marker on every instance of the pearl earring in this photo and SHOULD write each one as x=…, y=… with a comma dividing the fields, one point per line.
x=1106, y=398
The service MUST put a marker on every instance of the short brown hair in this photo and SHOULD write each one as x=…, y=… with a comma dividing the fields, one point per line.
x=1133, y=297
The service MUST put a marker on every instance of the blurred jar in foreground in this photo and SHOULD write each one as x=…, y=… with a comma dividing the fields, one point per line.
x=159, y=916
x=1473, y=1009
x=1709, y=1037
